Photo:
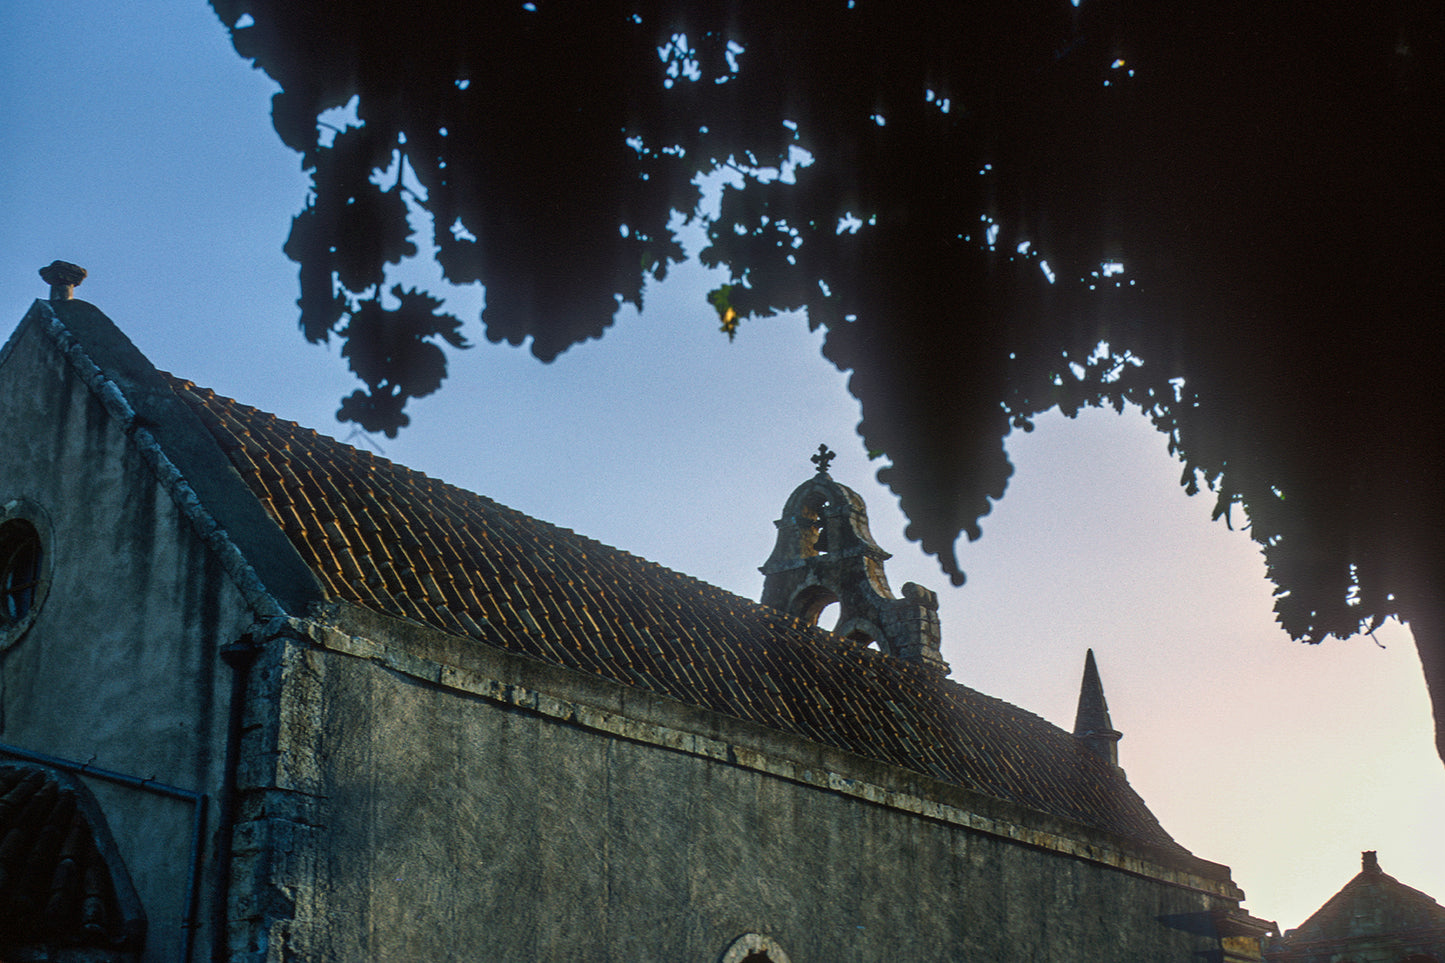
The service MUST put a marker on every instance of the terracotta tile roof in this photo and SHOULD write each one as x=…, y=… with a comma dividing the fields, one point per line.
x=55, y=885
x=400, y=543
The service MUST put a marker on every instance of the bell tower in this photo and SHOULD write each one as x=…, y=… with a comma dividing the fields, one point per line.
x=825, y=553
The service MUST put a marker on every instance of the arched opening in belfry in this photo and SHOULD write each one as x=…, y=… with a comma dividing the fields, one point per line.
x=812, y=603
x=820, y=606
x=866, y=639
x=813, y=525
x=863, y=631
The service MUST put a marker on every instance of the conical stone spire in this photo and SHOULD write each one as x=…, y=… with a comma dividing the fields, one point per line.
x=1091, y=723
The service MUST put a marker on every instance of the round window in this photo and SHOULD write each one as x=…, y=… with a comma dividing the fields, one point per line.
x=753, y=948
x=19, y=570
x=24, y=568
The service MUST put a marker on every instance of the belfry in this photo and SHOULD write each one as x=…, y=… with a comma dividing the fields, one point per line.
x=825, y=554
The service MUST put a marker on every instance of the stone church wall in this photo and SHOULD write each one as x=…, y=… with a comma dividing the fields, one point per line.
x=479, y=806
x=119, y=666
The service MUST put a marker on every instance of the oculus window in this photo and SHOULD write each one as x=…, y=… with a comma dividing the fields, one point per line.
x=19, y=569
x=24, y=569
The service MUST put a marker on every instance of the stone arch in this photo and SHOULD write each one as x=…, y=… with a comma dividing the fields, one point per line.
x=812, y=516
x=809, y=601
x=754, y=948
x=864, y=630
x=63, y=886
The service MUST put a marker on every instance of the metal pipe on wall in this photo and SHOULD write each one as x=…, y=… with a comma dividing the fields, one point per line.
x=197, y=800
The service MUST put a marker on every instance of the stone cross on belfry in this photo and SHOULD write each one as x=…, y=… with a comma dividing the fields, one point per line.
x=823, y=459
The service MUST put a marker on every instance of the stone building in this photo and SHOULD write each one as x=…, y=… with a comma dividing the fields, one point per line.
x=269, y=697
x=1375, y=918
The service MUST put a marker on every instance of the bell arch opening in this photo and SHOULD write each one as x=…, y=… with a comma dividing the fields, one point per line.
x=810, y=604
x=813, y=525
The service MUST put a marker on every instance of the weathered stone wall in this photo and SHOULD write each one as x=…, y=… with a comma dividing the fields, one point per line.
x=120, y=667
x=478, y=806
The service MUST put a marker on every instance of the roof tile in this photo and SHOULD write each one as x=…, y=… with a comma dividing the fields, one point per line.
x=395, y=541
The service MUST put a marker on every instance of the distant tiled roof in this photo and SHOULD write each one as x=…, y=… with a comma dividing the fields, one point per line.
x=55, y=885
x=398, y=542
x=1373, y=908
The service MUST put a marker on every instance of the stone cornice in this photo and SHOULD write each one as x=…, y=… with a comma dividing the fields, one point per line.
x=599, y=705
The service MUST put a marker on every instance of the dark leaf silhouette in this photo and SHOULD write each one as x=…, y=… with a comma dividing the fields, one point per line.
x=391, y=350
x=1242, y=201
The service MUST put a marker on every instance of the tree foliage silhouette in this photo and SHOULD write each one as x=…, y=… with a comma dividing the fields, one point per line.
x=1241, y=200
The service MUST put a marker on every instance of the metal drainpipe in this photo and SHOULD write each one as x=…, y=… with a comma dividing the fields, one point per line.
x=240, y=656
x=198, y=821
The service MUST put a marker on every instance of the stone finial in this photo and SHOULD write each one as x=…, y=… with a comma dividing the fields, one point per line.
x=62, y=276
x=823, y=458
x=1092, y=725
x=1369, y=861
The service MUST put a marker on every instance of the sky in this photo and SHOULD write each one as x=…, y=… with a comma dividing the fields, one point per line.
x=136, y=143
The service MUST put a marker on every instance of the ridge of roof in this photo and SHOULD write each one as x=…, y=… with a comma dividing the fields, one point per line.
x=1391, y=905
x=400, y=543
x=263, y=564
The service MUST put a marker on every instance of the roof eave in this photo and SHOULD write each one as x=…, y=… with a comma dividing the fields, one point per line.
x=188, y=463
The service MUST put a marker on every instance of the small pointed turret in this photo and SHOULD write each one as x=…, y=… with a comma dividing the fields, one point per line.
x=1091, y=724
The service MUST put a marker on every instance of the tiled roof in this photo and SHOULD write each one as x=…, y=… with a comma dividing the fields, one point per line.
x=55, y=885
x=398, y=542
x=1372, y=906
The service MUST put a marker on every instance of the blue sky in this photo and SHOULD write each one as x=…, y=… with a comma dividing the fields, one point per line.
x=137, y=144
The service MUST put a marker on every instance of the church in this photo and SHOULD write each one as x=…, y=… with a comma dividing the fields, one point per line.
x=265, y=697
